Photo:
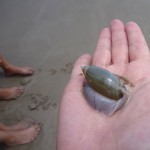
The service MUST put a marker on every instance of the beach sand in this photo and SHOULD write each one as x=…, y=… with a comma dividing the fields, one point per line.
x=49, y=35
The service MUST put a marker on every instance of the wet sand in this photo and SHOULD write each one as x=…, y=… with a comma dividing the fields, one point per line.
x=49, y=35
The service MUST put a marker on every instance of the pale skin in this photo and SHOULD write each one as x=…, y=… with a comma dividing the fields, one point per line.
x=26, y=130
x=121, y=49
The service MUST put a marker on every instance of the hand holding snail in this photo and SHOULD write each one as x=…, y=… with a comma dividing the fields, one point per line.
x=122, y=51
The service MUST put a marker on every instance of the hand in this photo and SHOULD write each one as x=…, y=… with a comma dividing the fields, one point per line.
x=122, y=50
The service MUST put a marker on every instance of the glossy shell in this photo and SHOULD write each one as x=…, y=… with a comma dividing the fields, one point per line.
x=104, y=91
x=103, y=82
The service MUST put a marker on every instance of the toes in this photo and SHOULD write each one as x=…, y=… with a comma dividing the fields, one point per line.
x=18, y=91
x=36, y=131
x=28, y=71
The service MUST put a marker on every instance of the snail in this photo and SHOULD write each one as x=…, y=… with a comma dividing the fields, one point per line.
x=105, y=91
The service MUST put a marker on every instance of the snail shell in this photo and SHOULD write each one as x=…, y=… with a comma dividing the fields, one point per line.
x=104, y=91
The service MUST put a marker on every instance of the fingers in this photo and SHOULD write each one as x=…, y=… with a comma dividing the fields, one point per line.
x=119, y=42
x=112, y=45
x=102, y=55
x=138, y=48
x=76, y=81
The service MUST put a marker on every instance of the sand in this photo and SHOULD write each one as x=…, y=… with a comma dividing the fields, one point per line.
x=49, y=35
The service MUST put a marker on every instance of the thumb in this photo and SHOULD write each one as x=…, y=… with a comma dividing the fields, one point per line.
x=76, y=81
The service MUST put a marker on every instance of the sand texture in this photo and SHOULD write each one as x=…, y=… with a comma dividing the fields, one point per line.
x=49, y=35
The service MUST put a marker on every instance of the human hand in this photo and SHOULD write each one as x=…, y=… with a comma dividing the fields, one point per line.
x=122, y=50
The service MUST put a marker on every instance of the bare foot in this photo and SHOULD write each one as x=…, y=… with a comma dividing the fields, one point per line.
x=13, y=138
x=13, y=70
x=24, y=124
x=11, y=93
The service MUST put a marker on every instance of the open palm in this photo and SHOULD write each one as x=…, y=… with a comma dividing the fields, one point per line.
x=122, y=50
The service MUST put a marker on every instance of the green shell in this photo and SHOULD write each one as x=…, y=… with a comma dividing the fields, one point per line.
x=103, y=81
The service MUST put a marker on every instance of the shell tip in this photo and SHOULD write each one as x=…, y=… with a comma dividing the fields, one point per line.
x=84, y=68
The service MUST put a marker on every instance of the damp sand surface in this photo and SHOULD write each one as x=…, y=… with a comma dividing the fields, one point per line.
x=49, y=35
